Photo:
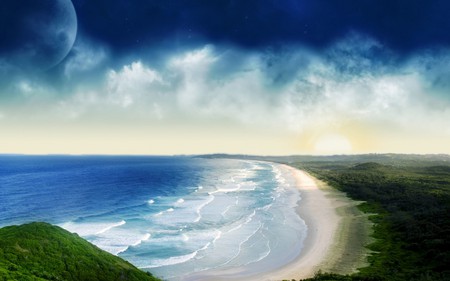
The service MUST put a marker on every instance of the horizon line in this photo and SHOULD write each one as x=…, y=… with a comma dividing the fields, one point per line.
x=221, y=154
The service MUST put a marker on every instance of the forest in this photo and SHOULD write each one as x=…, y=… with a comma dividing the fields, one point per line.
x=408, y=199
x=40, y=251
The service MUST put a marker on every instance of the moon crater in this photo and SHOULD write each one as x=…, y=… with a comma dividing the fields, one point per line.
x=38, y=34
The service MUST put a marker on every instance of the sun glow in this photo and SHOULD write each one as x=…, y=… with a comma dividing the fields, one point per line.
x=332, y=144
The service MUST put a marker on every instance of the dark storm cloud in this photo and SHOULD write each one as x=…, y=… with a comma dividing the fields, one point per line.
x=114, y=33
x=404, y=25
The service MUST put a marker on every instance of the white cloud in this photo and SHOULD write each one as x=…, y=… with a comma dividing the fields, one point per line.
x=79, y=104
x=134, y=89
x=192, y=70
x=132, y=83
x=293, y=88
x=32, y=90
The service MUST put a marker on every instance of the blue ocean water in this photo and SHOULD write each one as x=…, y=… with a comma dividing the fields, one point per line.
x=173, y=216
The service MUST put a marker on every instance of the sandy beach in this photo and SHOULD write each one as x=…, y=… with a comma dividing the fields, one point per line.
x=333, y=224
x=336, y=234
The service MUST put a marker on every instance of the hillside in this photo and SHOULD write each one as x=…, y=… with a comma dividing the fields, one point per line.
x=40, y=251
x=410, y=207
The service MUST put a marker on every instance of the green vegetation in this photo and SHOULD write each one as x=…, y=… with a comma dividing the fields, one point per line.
x=40, y=251
x=408, y=198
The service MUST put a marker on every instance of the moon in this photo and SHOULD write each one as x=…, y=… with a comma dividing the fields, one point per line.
x=38, y=35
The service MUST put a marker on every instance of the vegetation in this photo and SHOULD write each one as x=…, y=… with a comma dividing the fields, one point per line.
x=40, y=251
x=409, y=201
x=408, y=197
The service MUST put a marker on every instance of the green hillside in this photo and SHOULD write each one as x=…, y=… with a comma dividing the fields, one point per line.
x=40, y=251
x=409, y=202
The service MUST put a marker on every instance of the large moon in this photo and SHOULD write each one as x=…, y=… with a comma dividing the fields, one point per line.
x=36, y=34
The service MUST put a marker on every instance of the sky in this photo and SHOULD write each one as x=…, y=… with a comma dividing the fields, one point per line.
x=266, y=77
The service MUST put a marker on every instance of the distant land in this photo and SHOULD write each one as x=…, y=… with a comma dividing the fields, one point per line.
x=384, y=158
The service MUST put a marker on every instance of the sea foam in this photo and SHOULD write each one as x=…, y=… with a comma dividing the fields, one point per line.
x=236, y=217
x=90, y=228
x=170, y=261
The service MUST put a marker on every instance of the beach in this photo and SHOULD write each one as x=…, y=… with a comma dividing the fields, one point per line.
x=222, y=220
x=330, y=217
x=336, y=235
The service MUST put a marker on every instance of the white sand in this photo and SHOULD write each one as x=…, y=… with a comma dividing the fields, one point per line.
x=319, y=213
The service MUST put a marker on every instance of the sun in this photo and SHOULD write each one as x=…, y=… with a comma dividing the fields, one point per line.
x=332, y=144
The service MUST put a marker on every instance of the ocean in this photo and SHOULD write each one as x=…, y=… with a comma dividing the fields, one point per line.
x=173, y=216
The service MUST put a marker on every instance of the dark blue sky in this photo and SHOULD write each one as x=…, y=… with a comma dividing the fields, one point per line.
x=131, y=28
x=403, y=25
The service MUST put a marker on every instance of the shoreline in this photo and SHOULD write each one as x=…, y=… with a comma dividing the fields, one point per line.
x=333, y=223
x=336, y=235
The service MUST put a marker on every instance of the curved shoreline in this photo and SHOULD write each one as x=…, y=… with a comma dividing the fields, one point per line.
x=337, y=233
x=318, y=212
x=333, y=223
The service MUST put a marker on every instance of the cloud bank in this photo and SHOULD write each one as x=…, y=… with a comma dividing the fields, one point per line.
x=290, y=90
x=293, y=88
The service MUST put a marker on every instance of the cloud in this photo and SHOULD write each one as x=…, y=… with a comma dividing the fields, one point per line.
x=84, y=58
x=132, y=83
x=133, y=89
x=289, y=89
